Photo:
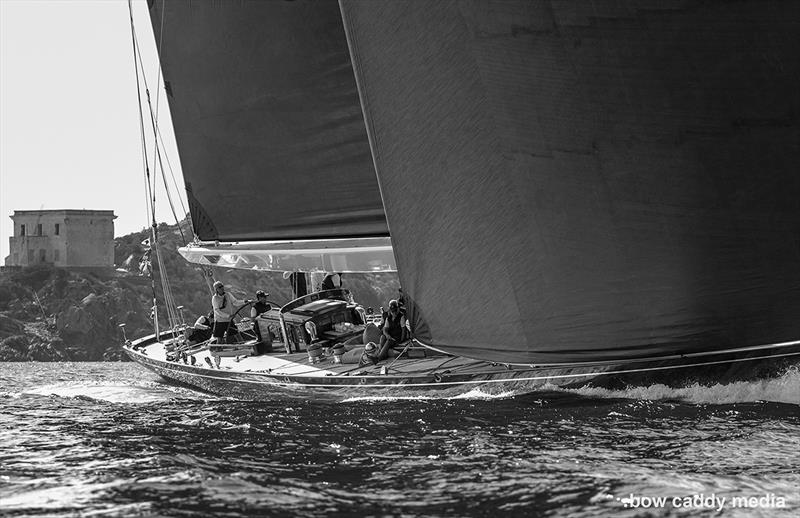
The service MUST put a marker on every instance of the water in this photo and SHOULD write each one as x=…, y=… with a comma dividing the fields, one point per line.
x=111, y=439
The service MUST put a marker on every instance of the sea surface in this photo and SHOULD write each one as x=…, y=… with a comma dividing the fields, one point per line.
x=112, y=439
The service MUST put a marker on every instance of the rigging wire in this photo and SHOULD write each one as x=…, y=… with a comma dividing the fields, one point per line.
x=157, y=160
x=159, y=77
x=169, y=301
x=148, y=189
x=166, y=288
x=157, y=132
x=206, y=275
x=159, y=156
x=169, y=196
x=141, y=116
x=172, y=173
x=158, y=64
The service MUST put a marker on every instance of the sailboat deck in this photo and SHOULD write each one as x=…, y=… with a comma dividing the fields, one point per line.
x=298, y=365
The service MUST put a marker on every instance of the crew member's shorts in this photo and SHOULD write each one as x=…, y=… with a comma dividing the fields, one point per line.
x=220, y=328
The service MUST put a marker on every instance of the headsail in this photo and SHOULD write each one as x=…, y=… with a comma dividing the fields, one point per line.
x=267, y=119
x=587, y=181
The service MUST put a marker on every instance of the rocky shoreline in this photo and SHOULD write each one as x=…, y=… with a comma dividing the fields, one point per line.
x=54, y=314
x=49, y=313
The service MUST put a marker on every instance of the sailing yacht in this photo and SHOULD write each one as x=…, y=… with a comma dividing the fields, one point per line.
x=570, y=193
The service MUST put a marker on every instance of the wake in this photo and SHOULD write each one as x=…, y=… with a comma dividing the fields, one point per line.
x=783, y=389
x=110, y=392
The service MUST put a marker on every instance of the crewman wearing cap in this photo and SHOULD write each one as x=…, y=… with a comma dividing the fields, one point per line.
x=370, y=355
x=261, y=306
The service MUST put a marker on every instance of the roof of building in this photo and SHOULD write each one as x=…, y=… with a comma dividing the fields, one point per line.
x=64, y=212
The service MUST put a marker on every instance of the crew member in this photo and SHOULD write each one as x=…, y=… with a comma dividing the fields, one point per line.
x=332, y=281
x=393, y=327
x=201, y=330
x=224, y=305
x=261, y=306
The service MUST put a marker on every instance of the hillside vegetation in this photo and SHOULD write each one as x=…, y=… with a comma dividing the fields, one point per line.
x=55, y=314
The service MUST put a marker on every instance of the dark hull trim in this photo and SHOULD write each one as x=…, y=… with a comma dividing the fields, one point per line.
x=722, y=368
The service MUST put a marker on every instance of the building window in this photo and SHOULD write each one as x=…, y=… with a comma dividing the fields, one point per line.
x=58, y=227
x=42, y=255
x=30, y=256
x=16, y=259
x=22, y=230
x=56, y=252
x=39, y=229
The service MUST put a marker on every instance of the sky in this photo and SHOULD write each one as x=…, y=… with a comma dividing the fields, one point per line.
x=69, y=120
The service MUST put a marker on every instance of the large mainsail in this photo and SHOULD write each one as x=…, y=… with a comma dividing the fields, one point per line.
x=580, y=181
x=267, y=119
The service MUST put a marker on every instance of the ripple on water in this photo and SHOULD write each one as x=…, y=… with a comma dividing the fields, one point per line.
x=111, y=440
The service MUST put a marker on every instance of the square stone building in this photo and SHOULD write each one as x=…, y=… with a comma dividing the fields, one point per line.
x=62, y=237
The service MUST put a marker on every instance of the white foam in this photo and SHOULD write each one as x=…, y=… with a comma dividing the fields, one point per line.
x=474, y=393
x=104, y=391
x=784, y=389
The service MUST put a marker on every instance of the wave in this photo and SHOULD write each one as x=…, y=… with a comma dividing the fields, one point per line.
x=208, y=422
x=112, y=392
x=782, y=389
x=474, y=393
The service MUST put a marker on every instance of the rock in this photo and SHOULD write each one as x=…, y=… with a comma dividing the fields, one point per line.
x=9, y=354
x=9, y=326
x=18, y=343
x=47, y=352
x=73, y=320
